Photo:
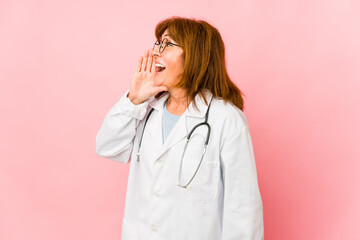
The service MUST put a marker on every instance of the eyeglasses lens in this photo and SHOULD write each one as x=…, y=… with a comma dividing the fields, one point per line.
x=162, y=45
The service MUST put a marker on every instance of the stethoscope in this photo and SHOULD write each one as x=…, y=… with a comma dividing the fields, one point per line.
x=205, y=123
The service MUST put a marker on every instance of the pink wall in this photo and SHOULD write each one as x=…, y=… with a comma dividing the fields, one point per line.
x=63, y=64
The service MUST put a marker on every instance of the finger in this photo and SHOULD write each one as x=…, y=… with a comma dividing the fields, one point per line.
x=152, y=70
x=138, y=68
x=145, y=59
x=149, y=63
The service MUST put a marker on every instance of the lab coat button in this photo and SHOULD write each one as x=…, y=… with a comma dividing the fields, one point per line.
x=154, y=193
x=153, y=227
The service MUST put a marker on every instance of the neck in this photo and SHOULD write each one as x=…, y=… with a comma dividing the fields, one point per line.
x=178, y=101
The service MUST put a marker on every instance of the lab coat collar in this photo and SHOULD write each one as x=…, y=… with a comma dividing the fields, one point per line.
x=191, y=111
x=158, y=104
x=188, y=120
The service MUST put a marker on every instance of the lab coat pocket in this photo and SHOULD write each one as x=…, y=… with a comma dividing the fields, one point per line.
x=128, y=231
x=205, y=185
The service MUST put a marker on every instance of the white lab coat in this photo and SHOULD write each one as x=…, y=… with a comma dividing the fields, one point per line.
x=222, y=202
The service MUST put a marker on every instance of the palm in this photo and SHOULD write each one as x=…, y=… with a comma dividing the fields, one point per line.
x=142, y=85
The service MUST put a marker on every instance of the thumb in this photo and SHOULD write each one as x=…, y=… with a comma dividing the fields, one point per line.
x=161, y=89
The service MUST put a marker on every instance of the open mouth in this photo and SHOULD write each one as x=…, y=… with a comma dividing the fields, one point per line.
x=159, y=67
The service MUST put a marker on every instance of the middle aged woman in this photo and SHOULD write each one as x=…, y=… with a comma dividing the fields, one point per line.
x=192, y=173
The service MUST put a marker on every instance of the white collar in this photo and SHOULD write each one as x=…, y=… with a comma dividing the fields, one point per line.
x=191, y=111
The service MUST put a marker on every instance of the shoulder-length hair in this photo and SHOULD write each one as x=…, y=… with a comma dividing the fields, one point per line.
x=204, y=59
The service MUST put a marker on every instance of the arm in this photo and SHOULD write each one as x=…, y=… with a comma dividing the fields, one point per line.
x=116, y=135
x=243, y=213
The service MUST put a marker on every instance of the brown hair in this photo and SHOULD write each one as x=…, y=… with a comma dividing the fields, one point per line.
x=204, y=59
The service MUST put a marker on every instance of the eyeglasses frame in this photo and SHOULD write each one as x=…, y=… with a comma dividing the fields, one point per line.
x=167, y=43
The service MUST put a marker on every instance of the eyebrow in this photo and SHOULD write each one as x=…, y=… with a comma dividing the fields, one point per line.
x=166, y=35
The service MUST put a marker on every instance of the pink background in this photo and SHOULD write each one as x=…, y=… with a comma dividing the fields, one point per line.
x=63, y=64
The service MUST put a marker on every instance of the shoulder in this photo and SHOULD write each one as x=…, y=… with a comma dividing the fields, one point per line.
x=227, y=114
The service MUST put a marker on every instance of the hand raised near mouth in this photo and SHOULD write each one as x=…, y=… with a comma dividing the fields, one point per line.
x=142, y=85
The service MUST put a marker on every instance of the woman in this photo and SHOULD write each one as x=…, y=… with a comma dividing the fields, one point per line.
x=184, y=182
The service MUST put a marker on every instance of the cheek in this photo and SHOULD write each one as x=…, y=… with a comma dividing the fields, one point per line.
x=178, y=67
x=176, y=63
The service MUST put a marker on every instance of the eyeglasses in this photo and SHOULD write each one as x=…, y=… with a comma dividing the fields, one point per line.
x=163, y=44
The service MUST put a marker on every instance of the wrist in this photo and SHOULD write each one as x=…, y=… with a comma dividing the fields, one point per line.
x=133, y=99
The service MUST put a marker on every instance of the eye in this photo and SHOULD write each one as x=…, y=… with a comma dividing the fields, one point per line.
x=167, y=42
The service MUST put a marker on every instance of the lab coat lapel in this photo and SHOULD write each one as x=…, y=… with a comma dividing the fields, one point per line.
x=177, y=133
x=155, y=125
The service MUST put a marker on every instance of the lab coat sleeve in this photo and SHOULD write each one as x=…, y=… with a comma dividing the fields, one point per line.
x=243, y=212
x=116, y=135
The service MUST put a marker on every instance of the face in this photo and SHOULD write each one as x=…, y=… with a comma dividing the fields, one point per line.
x=171, y=58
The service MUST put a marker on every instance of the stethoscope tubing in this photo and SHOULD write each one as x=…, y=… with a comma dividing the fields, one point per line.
x=142, y=134
x=205, y=123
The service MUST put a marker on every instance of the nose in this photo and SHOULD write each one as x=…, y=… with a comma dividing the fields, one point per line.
x=155, y=51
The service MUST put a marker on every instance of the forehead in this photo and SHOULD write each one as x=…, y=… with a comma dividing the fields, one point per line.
x=165, y=34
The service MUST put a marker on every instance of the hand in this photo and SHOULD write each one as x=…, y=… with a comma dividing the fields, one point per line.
x=142, y=85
